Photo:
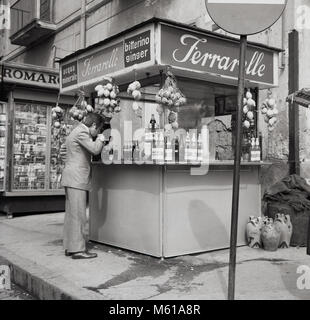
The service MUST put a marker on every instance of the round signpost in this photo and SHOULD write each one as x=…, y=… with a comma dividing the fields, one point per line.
x=241, y=17
x=245, y=17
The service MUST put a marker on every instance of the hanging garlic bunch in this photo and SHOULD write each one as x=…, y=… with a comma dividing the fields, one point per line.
x=249, y=106
x=107, y=103
x=270, y=112
x=170, y=95
x=81, y=108
x=134, y=91
x=58, y=116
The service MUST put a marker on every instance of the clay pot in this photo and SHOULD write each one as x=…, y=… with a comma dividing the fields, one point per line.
x=270, y=236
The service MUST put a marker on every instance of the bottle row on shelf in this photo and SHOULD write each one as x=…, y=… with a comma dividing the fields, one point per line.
x=156, y=147
x=251, y=149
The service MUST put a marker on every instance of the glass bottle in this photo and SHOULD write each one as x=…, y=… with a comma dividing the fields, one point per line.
x=258, y=150
x=111, y=151
x=176, y=150
x=252, y=150
x=147, y=146
x=155, y=147
x=161, y=148
x=193, y=148
x=199, y=149
x=187, y=147
x=153, y=123
x=168, y=151
x=245, y=149
x=136, y=154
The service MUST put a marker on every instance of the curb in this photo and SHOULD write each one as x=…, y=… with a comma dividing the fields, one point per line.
x=42, y=283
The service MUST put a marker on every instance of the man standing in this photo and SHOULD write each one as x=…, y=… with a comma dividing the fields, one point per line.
x=76, y=179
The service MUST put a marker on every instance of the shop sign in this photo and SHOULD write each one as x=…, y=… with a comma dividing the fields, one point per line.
x=101, y=63
x=203, y=53
x=69, y=74
x=137, y=49
x=108, y=60
x=30, y=77
x=245, y=17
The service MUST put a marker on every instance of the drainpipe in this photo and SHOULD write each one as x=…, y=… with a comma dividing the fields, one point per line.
x=294, y=143
x=4, y=38
x=283, y=54
x=83, y=24
x=37, y=9
x=54, y=49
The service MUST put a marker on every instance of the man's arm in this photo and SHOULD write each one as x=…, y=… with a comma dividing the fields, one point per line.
x=93, y=147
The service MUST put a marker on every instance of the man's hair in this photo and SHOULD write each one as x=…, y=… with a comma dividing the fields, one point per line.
x=94, y=118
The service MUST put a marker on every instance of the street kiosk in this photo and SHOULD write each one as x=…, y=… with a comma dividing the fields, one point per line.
x=163, y=208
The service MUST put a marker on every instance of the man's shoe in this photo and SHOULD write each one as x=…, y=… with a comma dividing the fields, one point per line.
x=84, y=255
x=68, y=254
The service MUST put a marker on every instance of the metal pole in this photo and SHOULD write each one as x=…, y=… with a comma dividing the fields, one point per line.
x=37, y=10
x=236, y=182
x=293, y=84
x=83, y=24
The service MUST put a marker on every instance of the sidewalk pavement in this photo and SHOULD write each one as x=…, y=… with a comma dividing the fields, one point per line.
x=32, y=246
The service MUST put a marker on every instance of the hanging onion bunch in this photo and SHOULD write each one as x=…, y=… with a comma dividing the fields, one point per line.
x=172, y=121
x=80, y=108
x=269, y=111
x=57, y=116
x=137, y=108
x=160, y=110
x=107, y=103
x=249, y=106
x=134, y=90
x=170, y=95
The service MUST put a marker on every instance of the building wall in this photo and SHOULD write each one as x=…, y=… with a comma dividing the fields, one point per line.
x=109, y=18
x=4, y=40
x=113, y=16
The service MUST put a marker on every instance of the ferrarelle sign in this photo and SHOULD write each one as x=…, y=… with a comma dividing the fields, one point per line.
x=202, y=53
x=181, y=48
x=101, y=63
x=108, y=60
